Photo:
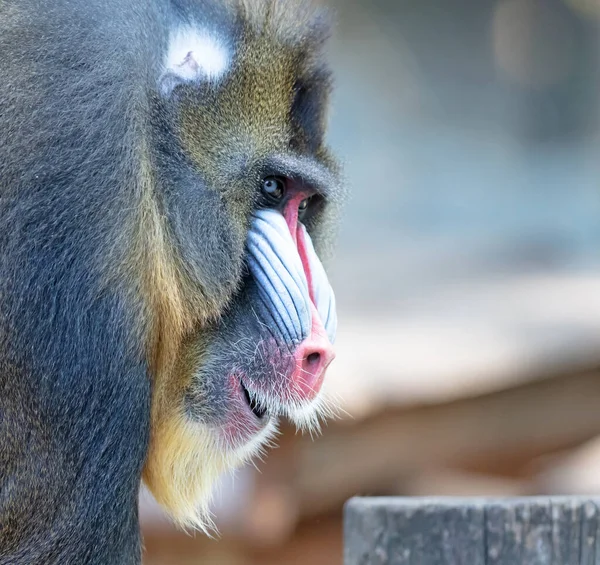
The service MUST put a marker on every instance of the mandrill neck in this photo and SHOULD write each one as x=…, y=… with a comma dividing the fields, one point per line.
x=73, y=431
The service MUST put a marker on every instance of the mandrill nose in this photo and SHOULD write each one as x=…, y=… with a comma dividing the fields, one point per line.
x=312, y=357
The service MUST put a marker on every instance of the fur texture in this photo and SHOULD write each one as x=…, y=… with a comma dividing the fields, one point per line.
x=125, y=201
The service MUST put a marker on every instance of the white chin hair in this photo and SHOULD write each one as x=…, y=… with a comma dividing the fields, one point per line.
x=218, y=457
x=221, y=458
x=185, y=461
x=183, y=472
x=255, y=446
x=307, y=416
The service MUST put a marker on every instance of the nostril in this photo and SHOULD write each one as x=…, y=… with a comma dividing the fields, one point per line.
x=313, y=359
x=315, y=362
x=312, y=364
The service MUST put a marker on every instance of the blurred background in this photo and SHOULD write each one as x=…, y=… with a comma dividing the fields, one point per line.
x=467, y=277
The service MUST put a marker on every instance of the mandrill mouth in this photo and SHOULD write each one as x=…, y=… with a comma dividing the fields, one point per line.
x=258, y=410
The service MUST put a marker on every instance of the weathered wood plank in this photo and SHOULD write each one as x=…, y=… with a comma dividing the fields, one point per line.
x=449, y=531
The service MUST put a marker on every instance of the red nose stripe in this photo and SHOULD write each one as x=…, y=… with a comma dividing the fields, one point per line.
x=304, y=258
x=291, y=217
x=290, y=213
x=315, y=353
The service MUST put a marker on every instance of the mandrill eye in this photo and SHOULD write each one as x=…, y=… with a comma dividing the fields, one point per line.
x=274, y=188
x=302, y=207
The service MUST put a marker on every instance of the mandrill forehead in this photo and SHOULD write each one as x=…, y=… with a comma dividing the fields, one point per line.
x=255, y=91
x=267, y=101
x=248, y=110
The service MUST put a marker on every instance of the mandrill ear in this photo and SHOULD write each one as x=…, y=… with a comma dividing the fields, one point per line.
x=193, y=55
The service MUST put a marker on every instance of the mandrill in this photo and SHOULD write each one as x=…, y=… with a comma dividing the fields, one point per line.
x=165, y=195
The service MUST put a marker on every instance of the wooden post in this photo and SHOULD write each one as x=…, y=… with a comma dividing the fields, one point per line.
x=472, y=531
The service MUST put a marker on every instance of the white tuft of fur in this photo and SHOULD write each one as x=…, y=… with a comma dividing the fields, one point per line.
x=194, y=54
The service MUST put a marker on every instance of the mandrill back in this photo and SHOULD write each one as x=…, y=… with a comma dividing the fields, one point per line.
x=165, y=193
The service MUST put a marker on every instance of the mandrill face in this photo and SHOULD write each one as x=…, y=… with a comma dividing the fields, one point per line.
x=244, y=316
x=270, y=354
